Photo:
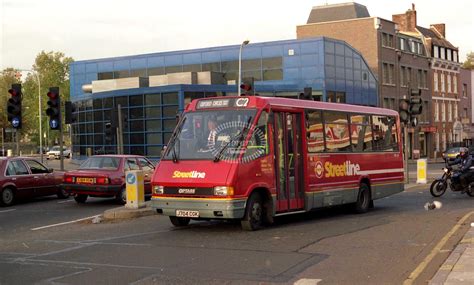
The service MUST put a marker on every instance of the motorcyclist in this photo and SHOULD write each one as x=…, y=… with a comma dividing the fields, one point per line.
x=465, y=161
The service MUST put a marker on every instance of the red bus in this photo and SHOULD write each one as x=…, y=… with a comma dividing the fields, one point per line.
x=255, y=158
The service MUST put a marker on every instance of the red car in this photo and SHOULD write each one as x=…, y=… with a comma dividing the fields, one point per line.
x=104, y=176
x=24, y=177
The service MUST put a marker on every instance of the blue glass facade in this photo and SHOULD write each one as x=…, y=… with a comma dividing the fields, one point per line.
x=335, y=71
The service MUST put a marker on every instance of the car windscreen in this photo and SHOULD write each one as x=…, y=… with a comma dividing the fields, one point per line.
x=110, y=163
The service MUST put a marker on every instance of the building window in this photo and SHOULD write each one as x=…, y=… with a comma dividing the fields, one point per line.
x=443, y=112
x=337, y=97
x=455, y=84
x=402, y=44
x=437, y=141
x=464, y=113
x=435, y=81
x=387, y=40
x=449, y=82
x=387, y=70
x=455, y=56
x=420, y=49
x=455, y=111
x=443, y=87
x=464, y=90
x=449, y=53
x=436, y=111
x=403, y=76
x=442, y=52
x=450, y=113
x=435, y=52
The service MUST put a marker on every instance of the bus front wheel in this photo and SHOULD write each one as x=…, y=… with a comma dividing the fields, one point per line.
x=179, y=222
x=253, y=218
x=364, y=201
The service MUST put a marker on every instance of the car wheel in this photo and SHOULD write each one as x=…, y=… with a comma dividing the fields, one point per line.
x=362, y=204
x=80, y=198
x=179, y=221
x=253, y=218
x=121, y=197
x=7, y=197
x=62, y=194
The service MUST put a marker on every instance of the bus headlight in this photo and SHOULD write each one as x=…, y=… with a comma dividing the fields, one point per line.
x=158, y=190
x=223, y=190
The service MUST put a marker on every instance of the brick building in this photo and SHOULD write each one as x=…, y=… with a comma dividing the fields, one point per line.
x=445, y=68
x=398, y=59
x=465, y=106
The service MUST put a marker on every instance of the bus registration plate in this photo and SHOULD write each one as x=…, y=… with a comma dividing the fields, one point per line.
x=187, y=213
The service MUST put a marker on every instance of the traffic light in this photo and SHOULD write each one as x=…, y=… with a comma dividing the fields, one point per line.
x=70, y=112
x=308, y=93
x=54, y=110
x=416, y=104
x=404, y=112
x=247, y=85
x=109, y=132
x=14, y=106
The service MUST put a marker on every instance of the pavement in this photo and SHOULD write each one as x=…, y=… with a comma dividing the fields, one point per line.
x=458, y=268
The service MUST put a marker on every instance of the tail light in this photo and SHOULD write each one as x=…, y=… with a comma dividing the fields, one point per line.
x=69, y=179
x=102, y=180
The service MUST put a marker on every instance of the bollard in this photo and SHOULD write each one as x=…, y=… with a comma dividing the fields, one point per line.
x=135, y=189
x=9, y=152
x=421, y=165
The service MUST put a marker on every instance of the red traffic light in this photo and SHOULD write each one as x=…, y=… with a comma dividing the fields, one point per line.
x=246, y=87
x=52, y=95
x=13, y=92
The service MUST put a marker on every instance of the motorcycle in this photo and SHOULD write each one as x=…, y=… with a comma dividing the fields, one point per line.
x=450, y=178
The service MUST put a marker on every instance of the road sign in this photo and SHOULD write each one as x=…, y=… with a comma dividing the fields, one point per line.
x=130, y=178
x=15, y=122
x=54, y=124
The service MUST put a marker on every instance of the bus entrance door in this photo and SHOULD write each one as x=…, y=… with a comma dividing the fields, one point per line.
x=288, y=161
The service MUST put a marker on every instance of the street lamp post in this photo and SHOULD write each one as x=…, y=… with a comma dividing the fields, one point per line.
x=239, y=80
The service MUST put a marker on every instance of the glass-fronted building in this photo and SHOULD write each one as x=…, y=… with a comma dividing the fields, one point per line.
x=152, y=89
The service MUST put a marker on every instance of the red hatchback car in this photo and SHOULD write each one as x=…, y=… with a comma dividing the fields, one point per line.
x=24, y=177
x=104, y=176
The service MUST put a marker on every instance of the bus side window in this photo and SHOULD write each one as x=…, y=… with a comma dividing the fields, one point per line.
x=314, y=131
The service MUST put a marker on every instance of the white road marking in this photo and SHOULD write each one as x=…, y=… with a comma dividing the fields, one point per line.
x=66, y=201
x=64, y=223
x=10, y=210
x=306, y=281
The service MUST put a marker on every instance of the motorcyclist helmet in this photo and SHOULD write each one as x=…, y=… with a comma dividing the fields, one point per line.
x=463, y=153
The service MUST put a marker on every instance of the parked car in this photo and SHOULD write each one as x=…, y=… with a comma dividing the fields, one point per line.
x=24, y=177
x=104, y=176
x=55, y=151
x=453, y=153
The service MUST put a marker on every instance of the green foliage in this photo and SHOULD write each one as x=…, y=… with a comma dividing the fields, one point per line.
x=469, y=63
x=52, y=70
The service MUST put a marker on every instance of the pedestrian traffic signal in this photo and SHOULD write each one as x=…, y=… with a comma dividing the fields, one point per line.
x=69, y=112
x=54, y=109
x=416, y=104
x=14, y=106
x=403, y=111
x=247, y=85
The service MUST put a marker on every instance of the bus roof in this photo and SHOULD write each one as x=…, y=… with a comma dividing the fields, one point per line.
x=259, y=102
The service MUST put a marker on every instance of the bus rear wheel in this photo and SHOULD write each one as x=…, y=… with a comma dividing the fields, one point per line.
x=253, y=218
x=364, y=200
x=179, y=222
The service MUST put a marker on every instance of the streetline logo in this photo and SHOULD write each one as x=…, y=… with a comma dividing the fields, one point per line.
x=230, y=141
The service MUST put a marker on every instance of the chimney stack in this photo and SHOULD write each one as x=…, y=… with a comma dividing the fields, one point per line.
x=440, y=28
x=407, y=21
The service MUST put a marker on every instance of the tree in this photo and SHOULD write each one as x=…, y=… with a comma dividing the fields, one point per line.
x=53, y=71
x=469, y=63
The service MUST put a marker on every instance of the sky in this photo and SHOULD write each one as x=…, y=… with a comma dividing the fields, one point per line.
x=91, y=29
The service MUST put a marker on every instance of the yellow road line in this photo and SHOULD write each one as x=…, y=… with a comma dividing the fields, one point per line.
x=414, y=275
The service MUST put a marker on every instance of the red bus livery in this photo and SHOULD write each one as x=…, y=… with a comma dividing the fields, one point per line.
x=255, y=158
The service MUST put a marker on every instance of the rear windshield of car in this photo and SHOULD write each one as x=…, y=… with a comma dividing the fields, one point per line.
x=110, y=163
